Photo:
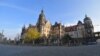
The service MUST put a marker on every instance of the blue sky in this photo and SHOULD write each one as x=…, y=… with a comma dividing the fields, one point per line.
x=16, y=13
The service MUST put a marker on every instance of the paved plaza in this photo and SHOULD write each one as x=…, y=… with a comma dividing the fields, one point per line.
x=11, y=50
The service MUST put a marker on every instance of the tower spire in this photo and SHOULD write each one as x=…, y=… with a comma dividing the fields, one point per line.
x=85, y=15
x=42, y=11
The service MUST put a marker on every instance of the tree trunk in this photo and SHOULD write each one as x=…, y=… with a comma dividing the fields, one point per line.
x=33, y=42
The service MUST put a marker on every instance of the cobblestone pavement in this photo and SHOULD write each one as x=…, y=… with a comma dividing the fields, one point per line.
x=91, y=50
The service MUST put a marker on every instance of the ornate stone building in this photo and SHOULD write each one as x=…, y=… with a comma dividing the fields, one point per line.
x=89, y=29
x=43, y=25
x=57, y=30
x=80, y=30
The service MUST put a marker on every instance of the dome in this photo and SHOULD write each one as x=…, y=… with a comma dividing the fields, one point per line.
x=79, y=23
x=42, y=14
x=41, y=19
x=86, y=18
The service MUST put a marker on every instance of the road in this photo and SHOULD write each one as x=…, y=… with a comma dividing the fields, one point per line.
x=10, y=50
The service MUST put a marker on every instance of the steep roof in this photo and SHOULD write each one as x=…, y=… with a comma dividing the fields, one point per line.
x=87, y=18
x=71, y=28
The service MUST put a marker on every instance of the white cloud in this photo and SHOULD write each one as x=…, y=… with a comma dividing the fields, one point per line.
x=70, y=24
x=97, y=28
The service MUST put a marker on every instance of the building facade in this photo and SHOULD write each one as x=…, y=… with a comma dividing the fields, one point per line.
x=43, y=25
x=80, y=30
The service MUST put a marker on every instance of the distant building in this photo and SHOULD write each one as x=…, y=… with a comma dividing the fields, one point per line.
x=1, y=37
